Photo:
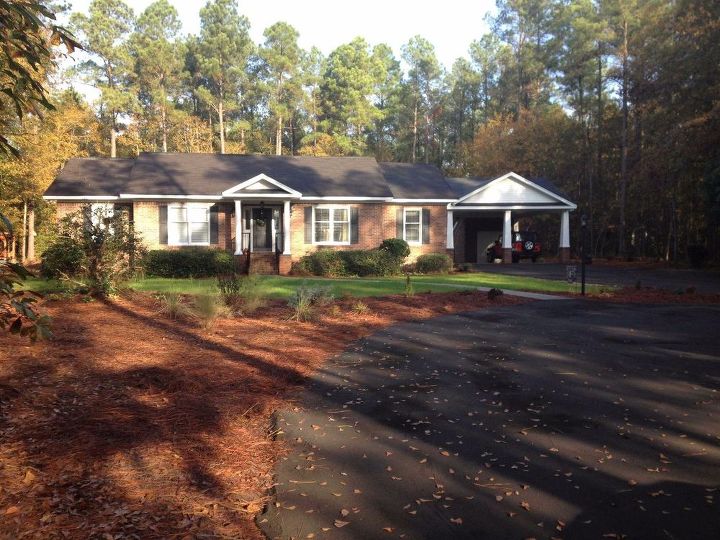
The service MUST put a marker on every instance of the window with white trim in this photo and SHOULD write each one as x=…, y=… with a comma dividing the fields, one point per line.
x=189, y=224
x=331, y=225
x=98, y=214
x=412, y=225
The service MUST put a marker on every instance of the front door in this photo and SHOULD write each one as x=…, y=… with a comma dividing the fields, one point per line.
x=262, y=229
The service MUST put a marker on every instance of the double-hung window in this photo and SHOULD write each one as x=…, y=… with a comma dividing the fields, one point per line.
x=331, y=225
x=189, y=224
x=412, y=225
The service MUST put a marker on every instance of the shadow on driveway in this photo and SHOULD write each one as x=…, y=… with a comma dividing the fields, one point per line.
x=545, y=420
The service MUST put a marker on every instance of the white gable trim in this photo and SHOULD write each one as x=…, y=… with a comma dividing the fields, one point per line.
x=80, y=198
x=262, y=177
x=523, y=180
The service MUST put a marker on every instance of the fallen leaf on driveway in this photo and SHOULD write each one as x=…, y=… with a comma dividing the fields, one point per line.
x=339, y=523
x=456, y=521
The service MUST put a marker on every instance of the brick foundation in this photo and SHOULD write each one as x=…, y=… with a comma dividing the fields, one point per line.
x=507, y=255
x=564, y=254
x=285, y=264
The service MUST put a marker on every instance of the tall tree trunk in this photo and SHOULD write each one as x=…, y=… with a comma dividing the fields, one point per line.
x=23, y=236
x=292, y=136
x=221, y=122
x=163, y=110
x=599, y=124
x=113, y=141
x=427, y=137
x=278, y=137
x=623, y=142
x=31, y=235
x=414, y=143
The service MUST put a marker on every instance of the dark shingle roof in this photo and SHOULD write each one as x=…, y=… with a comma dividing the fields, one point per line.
x=91, y=177
x=462, y=186
x=416, y=181
x=211, y=174
x=550, y=186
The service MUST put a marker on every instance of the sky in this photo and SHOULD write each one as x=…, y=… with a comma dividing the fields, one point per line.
x=450, y=25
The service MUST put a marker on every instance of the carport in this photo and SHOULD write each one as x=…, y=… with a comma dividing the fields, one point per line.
x=488, y=208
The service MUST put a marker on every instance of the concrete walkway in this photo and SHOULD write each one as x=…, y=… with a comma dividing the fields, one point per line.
x=549, y=419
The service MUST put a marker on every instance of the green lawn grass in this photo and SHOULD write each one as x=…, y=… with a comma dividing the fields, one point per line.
x=283, y=287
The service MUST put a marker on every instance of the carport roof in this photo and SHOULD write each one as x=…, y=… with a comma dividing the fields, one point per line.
x=466, y=185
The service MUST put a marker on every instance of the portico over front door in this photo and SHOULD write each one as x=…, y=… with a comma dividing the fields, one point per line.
x=262, y=227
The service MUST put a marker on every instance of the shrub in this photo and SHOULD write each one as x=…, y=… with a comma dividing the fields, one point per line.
x=409, y=289
x=372, y=262
x=63, y=258
x=494, y=294
x=188, y=262
x=437, y=263
x=241, y=294
x=109, y=246
x=397, y=247
x=208, y=307
x=356, y=262
x=360, y=308
x=172, y=305
x=306, y=297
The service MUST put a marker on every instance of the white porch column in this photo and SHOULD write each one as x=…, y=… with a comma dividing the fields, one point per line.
x=286, y=228
x=450, y=241
x=507, y=230
x=565, y=229
x=238, y=227
x=507, y=237
x=565, y=236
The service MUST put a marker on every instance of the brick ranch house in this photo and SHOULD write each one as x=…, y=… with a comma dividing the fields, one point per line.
x=279, y=208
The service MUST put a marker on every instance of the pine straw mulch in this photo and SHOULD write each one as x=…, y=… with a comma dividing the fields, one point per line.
x=130, y=425
x=651, y=295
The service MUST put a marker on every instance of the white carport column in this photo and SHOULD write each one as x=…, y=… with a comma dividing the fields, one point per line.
x=450, y=238
x=565, y=236
x=238, y=227
x=507, y=237
x=286, y=228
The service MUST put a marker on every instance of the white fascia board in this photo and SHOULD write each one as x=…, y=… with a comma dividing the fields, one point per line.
x=241, y=196
x=349, y=199
x=262, y=176
x=173, y=197
x=514, y=207
x=80, y=198
x=426, y=201
x=523, y=180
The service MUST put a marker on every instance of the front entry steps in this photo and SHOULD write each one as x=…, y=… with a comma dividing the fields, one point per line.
x=261, y=262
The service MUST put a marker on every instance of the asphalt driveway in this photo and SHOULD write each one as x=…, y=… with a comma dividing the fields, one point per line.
x=546, y=420
x=704, y=281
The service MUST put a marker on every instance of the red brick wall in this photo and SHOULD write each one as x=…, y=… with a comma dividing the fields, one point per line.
x=65, y=208
x=376, y=222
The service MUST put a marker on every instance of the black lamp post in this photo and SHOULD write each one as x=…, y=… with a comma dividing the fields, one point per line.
x=583, y=256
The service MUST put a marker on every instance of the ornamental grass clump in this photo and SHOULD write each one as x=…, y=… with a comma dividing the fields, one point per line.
x=208, y=309
x=173, y=306
x=243, y=295
x=306, y=298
